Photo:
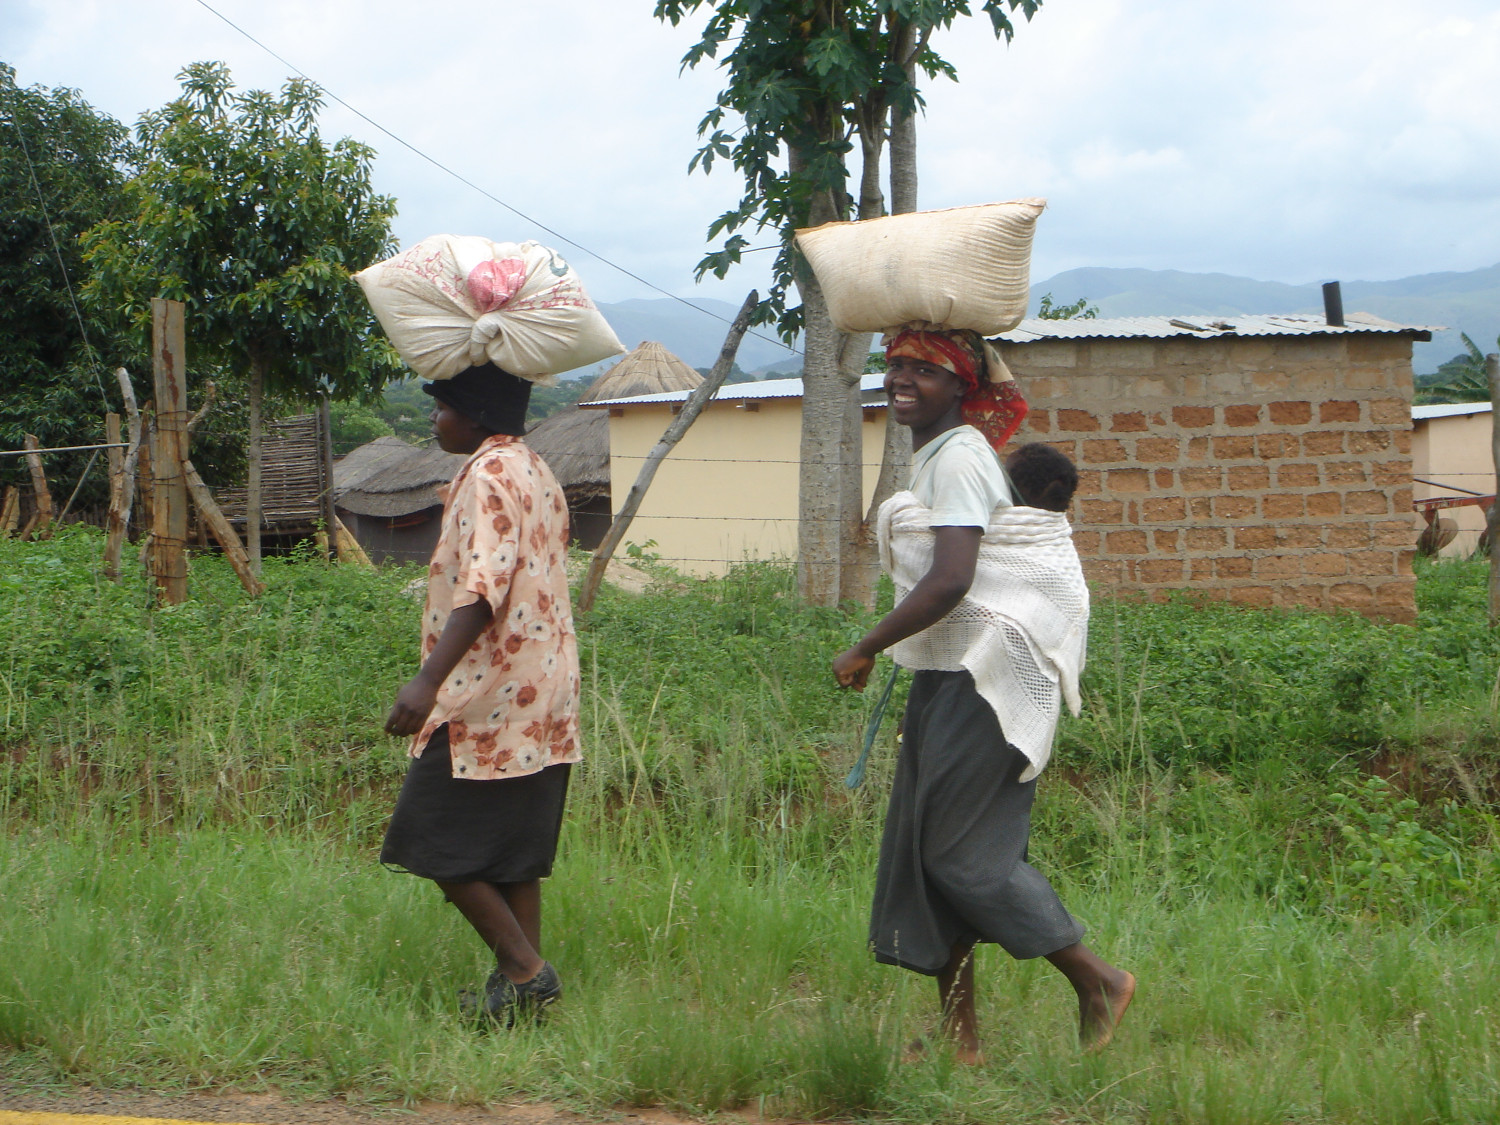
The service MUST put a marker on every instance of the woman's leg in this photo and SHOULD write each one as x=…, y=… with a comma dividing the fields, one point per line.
x=488, y=910
x=956, y=993
x=525, y=902
x=1104, y=992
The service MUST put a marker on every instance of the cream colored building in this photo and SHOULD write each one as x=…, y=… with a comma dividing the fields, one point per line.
x=1451, y=456
x=728, y=490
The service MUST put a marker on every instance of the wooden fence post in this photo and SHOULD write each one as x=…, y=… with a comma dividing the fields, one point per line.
x=325, y=473
x=690, y=411
x=40, y=524
x=1492, y=521
x=10, y=511
x=169, y=451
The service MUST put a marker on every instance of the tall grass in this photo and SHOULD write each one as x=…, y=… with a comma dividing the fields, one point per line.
x=190, y=800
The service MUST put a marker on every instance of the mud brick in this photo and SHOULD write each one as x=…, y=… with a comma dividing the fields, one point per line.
x=1253, y=595
x=1157, y=449
x=1101, y=511
x=1232, y=567
x=1351, y=537
x=1377, y=564
x=1193, y=417
x=1104, y=451
x=1394, y=533
x=1198, y=448
x=1158, y=420
x=1273, y=446
x=1201, y=480
x=1254, y=538
x=1390, y=412
x=1159, y=570
x=1350, y=595
x=1246, y=415
x=1234, y=448
x=1207, y=538
x=1164, y=509
x=1162, y=478
x=1106, y=572
x=1234, y=507
x=1129, y=480
x=1338, y=412
x=1245, y=477
x=1403, y=441
x=1307, y=597
x=1090, y=482
x=1369, y=441
x=1300, y=475
x=1372, y=503
x=1278, y=567
x=1345, y=472
x=1200, y=570
x=1322, y=443
x=1201, y=507
x=1326, y=565
x=1298, y=537
x=1166, y=541
x=1401, y=500
x=1325, y=504
x=1283, y=506
x=1131, y=422
x=1086, y=542
x=1290, y=413
x=1126, y=542
x=1068, y=449
x=1040, y=421
x=1390, y=472
x=1076, y=421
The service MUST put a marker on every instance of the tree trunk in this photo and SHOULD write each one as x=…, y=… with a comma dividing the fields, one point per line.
x=825, y=400
x=253, y=466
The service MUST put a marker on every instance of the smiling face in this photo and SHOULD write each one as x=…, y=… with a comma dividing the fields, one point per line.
x=923, y=396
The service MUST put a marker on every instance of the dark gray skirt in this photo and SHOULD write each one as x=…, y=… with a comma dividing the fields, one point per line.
x=953, y=858
x=457, y=830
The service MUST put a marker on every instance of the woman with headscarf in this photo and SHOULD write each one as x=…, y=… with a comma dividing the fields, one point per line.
x=992, y=616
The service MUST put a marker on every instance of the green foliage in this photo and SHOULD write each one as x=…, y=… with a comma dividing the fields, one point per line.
x=354, y=424
x=547, y=401
x=802, y=79
x=1078, y=310
x=62, y=169
x=243, y=212
x=1462, y=379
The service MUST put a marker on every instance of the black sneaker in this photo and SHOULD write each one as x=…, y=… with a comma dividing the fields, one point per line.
x=530, y=1000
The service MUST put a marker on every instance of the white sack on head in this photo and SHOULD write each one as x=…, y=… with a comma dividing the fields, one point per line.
x=457, y=301
x=966, y=267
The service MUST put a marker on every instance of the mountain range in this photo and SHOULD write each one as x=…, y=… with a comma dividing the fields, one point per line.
x=1454, y=302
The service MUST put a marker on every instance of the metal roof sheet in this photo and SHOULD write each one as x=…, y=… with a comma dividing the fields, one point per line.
x=736, y=392
x=1449, y=410
x=1205, y=327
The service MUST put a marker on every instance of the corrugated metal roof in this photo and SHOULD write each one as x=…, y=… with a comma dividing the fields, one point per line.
x=738, y=392
x=1205, y=327
x=1449, y=410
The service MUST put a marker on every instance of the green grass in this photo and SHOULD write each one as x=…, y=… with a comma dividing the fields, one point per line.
x=191, y=799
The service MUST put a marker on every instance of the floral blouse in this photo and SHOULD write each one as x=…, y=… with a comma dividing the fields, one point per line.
x=511, y=704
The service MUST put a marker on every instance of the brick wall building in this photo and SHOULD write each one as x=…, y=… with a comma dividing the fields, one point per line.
x=1266, y=461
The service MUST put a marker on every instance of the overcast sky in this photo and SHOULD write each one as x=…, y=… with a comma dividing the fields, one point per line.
x=1286, y=140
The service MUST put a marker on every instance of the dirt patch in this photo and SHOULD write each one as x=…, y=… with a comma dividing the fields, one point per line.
x=274, y=1109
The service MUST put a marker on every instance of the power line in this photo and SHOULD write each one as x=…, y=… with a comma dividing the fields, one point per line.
x=438, y=164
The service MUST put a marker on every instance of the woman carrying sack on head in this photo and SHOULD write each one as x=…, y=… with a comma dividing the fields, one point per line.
x=993, y=621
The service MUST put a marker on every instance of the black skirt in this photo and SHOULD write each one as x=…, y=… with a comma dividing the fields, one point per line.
x=953, y=857
x=457, y=830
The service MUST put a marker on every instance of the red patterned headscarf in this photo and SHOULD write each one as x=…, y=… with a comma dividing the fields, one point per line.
x=994, y=407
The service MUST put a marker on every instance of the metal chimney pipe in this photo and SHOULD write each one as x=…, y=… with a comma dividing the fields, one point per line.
x=1333, y=304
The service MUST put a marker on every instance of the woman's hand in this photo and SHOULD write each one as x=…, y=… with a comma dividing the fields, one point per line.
x=414, y=702
x=851, y=668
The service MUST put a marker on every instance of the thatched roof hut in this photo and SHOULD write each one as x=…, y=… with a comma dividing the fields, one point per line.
x=646, y=370
x=389, y=478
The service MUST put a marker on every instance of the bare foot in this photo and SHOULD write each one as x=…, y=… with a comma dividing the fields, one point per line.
x=1101, y=1010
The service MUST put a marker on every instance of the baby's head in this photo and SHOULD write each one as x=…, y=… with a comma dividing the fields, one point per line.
x=1044, y=477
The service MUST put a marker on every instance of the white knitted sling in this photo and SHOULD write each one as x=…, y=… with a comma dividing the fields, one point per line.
x=1022, y=629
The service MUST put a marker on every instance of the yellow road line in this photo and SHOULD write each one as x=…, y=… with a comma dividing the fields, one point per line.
x=25, y=1117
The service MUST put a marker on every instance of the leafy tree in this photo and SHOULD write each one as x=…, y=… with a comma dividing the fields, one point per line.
x=806, y=82
x=1463, y=378
x=243, y=212
x=1078, y=310
x=62, y=169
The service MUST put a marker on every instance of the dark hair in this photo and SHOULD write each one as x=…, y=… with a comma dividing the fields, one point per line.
x=1044, y=477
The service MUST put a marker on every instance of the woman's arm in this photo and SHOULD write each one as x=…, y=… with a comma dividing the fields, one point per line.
x=955, y=551
x=415, y=700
